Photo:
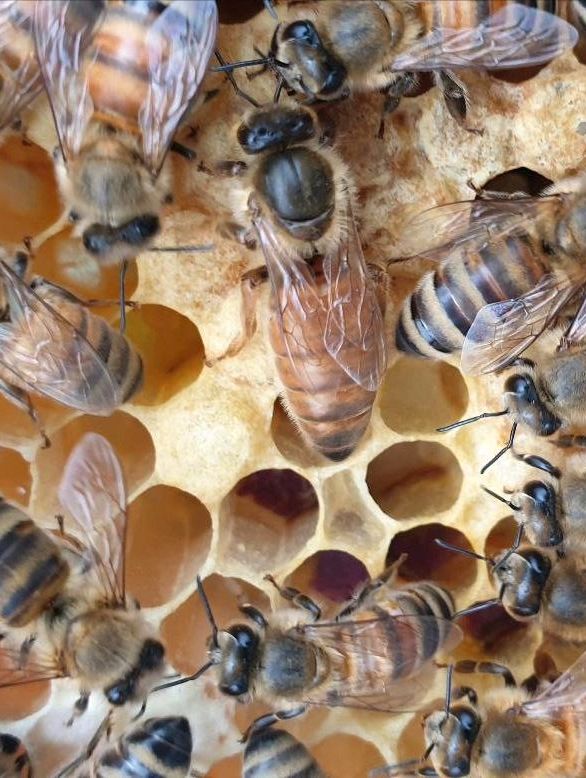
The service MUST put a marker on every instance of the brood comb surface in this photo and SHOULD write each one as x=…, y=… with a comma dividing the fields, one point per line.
x=220, y=483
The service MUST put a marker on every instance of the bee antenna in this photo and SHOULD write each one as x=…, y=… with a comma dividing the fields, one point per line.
x=503, y=450
x=185, y=679
x=500, y=498
x=459, y=550
x=271, y=9
x=230, y=76
x=195, y=248
x=208, y=610
x=513, y=548
x=478, y=606
x=448, y=702
x=122, y=284
x=471, y=420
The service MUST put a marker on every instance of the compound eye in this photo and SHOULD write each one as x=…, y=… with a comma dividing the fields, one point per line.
x=302, y=31
x=119, y=693
x=539, y=564
x=470, y=723
x=235, y=688
x=538, y=491
x=245, y=636
x=519, y=385
x=151, y=655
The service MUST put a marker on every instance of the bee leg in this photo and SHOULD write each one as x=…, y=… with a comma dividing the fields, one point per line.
x=263, y=722
x=250, y=288
x=402, y=84
x=104, y=728
x=242, y=235
x=183, y=151
x=22, y=400
x=298, y=599
x=492, y=668
x=388, y=575
x=545, y=673
x=464, y=691
x=79, y=706
x=569, y=441
x=539, y=463
x=455, y=97
x=94, y=302
x=34, y=243
x=254, y=614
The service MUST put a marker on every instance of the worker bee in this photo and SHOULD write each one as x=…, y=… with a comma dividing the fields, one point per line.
x=97, y=635
x=326, y=328
x=120, y=78
x=52, y=345
x=510, y=732
x=508, y=267
x=21, y=77
x=14, y=760
x=373, y=656
x=274, y=753
x=158, y=747
x=343, y=47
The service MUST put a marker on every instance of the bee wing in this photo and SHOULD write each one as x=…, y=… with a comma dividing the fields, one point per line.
x=577, y=331
x=502, y=331
x=62, y=30
x=568, y=691
x=364, y=646
x=21, y=83
x=93, y=493
x=473, y=224
x=298, y=302
x=25, y=664
x=516, y=36
x=179, y=45
x=354, y=328
x=50, y=355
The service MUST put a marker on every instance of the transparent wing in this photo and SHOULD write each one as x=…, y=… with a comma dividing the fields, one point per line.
x=502, y=331
x=63, y=29
x=354, y=329
x=20, y=76
x=50, y=355
x=25, y=664
x=299, y=307
x=473, y=224
x=92, y=492
x=567, y=692
x=367, y=663
x=577, y=331
x=179, y=45
x=516, y=36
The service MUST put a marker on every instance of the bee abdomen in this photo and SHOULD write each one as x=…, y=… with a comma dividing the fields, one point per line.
x=274, y=753
x=32, y=570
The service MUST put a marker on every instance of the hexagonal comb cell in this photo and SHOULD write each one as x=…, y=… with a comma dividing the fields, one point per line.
x=169, y=535
x=186, y=630
x=289, y=440
x=519, y=179
x=412, y=479
x=427, y=560
x=330, y=577
x=19, y=701
x=265, y=520
x=418, y=396
x=347, y=756
x=171, y=349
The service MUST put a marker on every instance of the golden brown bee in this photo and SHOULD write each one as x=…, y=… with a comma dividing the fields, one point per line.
x=274, y=753
x=510, y=733
x=373, y=656
x=33, y=570
x=508, y=267
x=14, y=760
x=52, y=345
x=120, y=77
x=343, y=46
x=326, y=327
x=21, y=77
x=97, y=635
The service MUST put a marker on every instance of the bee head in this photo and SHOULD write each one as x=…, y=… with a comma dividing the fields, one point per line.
x=236, y=655
x=101, y=239
x=522, y=577
x=524, y=400
x=452, y=736
x=150, y=662
x=312, y=69
x=542, y=525
x=276, y=127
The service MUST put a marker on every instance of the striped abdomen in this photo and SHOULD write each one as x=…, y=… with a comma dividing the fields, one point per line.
x=32, y=570
x=274, y=753
x=431, y=607
x=115, y=350
x=436, y=317
x=159, y=748
x=14, y=761
x=331, y=410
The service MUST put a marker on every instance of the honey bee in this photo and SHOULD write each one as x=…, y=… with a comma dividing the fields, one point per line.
x=510, y=732
x=158, y=747
x=52, y=345
x=326, y=329
x=14, y=760
x=120, y=78
x=274, y=753
x=96, y=634
x=21, y=77
x=343, y=47
x=373, y=656
x=508, y=267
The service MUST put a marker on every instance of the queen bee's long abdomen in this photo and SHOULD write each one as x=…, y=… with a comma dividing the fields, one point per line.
x=331, y=410
x=436, y=317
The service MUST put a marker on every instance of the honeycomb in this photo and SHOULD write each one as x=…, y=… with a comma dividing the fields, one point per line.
x=220, y=484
